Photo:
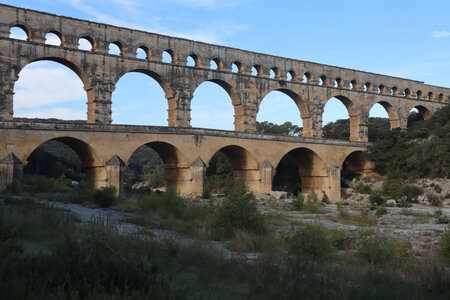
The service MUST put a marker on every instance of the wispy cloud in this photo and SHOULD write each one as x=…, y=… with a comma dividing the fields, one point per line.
x=58, y=113
x=440, y=34
x=214, y=32
x=47, y=85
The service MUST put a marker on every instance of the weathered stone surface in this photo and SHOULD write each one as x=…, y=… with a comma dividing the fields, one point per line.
x=186, y=152
x=100, y=71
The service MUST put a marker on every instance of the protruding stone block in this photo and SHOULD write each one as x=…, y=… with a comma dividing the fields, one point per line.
x=114, y=172
x=10, y=170
x=266, y=175
x=334, y=176
x=198, y=171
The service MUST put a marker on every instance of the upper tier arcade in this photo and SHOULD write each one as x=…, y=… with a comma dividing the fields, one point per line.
x=309, y=84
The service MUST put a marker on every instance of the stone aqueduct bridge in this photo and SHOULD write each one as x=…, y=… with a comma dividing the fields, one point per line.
x=104, y=148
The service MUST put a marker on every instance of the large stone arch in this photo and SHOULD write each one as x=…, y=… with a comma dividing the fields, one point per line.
x=394, y=119
x=163, y=83
x=358, y=126
x=174, y=162
x=93, y=163
x=301, y=105
x=354, y=164
x=311, y=168
x=234, y=96
x=243, y=164
x=81, y=73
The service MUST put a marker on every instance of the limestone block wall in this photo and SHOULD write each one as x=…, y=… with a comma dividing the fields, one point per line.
x=309, y=84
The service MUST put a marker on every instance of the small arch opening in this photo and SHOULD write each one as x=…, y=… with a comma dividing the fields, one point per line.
x=338, y=83
x=323, y=80
x=168, y=57
x=115, y=48
x=394, y=91
x=142, y=52
x=275, y=73
x=236, y=67
x=306, y=77
x=367, y=87
x=407, y=92
x=419, y=94
x=19, y=32
x=441, y=97
x=291, y=75
x=215, y=64
x=86, y=44
x=430, y=96
x=192, y=61
x=256, y=70
x=52, y=38
x=380, y=89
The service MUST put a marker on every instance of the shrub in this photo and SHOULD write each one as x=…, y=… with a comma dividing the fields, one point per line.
x=105, y=196
x=310, y=242
x=325, y=199
x=411, y=193
x=362, y=188
x=381, y=211
x=244, y=241
x=345, y=195
x=437, y=188
x=444, y=244
x=167, y=203
x=312, y=204
x=434, y=200
x=298, y=203
x=391, y=186
x=440, y=217
x=238, y=212
x=377, y=200
x=377, y=250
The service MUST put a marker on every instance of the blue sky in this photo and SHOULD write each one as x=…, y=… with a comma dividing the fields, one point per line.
x=408, y=39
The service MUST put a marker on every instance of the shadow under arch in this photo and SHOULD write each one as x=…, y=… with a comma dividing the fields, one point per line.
x=296, y=171
x=424, y=111
x=352, y=113
x=355, y=165
x=78, y=71
x=243, y=165
x=394, y=121
x=90, y=160
x=235, y=101
x=175, y=164
x=301, y=105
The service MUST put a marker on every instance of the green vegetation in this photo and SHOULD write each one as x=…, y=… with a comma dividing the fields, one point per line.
x=238, y=211
x=444, y=242
x=311, y=242
x=422, y=151
x=378, y=250
x=286, y=128
x=377, y=200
